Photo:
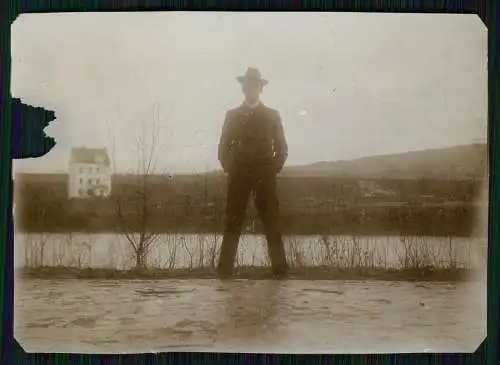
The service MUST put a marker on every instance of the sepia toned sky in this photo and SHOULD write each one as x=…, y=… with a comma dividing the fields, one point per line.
x=346, y=85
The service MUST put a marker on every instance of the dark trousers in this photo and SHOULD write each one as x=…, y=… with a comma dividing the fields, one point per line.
x=242, y=181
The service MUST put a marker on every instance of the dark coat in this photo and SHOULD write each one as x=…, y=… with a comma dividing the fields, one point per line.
x=252, y=137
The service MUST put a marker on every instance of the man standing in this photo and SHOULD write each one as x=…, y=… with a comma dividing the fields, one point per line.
x=252, y=150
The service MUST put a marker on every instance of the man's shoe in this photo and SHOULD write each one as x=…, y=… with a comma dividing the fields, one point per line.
x=223, y=274
x=280, y=274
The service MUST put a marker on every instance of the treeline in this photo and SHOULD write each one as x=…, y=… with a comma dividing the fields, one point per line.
x=291, y=190
x=195, y=204
x=378, y=220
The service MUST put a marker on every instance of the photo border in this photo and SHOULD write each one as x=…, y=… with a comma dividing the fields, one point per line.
x=22, y=137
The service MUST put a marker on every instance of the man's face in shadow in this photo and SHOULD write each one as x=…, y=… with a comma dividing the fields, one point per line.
x=252, y=91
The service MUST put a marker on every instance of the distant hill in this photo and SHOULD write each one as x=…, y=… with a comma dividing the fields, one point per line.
x=454, y=163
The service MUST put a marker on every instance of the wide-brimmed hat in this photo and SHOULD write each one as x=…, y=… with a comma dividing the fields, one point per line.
x=252, y=75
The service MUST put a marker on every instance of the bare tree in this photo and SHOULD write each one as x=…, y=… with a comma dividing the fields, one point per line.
x=134, y=204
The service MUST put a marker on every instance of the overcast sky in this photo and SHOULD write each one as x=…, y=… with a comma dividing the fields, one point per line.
x=346, y=85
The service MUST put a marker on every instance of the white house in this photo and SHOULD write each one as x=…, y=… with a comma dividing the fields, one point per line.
x=89, y=173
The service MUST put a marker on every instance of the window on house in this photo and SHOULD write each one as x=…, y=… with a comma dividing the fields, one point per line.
x=98, y=169
x=81, y=192
x=90, y=182
x=81, y=181
x=98, y=181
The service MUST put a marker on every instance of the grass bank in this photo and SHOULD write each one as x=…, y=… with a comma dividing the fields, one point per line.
x=249, y=272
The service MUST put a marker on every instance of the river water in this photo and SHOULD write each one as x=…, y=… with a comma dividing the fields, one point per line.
x=181, y=250
x=249, y=316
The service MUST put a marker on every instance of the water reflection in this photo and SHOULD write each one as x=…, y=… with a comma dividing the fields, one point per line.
x=251, y=308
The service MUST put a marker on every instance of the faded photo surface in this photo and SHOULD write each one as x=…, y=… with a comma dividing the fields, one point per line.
x=253, y=182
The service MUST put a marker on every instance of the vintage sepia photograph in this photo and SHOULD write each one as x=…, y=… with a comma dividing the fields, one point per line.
x=252, y=182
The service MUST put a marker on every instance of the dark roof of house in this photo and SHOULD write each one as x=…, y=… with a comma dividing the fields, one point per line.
x=90, y=155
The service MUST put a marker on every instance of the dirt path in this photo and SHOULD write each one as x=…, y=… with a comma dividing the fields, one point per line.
x=288, y=316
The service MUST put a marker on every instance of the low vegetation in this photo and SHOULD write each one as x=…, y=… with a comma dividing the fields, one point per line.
x=179, y=256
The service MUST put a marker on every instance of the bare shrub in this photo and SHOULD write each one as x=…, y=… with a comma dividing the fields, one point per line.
x=355, y=253
x=266, y=260
x=201, y=250
x=213, y=250
x=239, y=253
x=79, y=252
x=366, y=258
x=452, y=255
x=58, y=253
x=172, y=252
x=382, y=257
x=254, y=256
x=326, y=252
x=89, y=242
x=412, y=253
x=415, y=255
x=157, y=260
x=312, y=248
x=188, y=251
x=111, y=259
x=31, y=252
x=295, y=254
x=425, y=253
x=34, y=251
